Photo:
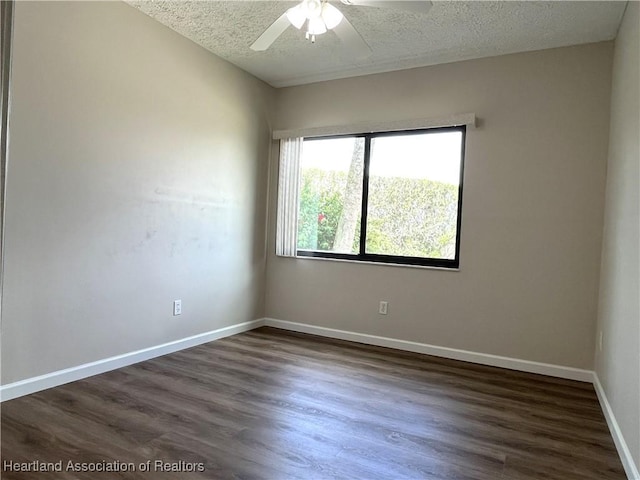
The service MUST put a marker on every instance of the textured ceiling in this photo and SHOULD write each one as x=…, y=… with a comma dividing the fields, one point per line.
x=451, y=31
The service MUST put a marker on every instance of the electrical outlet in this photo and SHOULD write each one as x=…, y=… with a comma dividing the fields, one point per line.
x=177, y=307
x=383, y=308
x=600, y=341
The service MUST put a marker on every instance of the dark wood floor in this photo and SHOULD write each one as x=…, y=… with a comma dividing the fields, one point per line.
x=274, y=405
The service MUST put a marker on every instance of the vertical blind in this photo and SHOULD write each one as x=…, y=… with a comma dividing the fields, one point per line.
x=288, y=190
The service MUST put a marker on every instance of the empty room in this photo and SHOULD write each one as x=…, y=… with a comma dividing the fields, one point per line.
x=320, y=239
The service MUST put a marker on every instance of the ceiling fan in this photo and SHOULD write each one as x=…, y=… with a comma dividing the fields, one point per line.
x=320, y=16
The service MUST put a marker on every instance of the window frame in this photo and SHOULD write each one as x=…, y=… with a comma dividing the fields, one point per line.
x=362, y=256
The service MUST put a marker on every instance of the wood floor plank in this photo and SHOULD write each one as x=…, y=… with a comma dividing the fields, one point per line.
x=276, y=405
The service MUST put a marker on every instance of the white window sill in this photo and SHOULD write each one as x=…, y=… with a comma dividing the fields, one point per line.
x=379, y=264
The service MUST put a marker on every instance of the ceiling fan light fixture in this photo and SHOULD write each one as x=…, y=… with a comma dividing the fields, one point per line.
x=320, y=16
x=331, y=16
x=316, y=26
x=311, y=8
x=296, y=15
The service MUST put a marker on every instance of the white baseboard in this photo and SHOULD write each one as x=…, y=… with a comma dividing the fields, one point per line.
x=621, y=445
x=60, y=377
x=445, y=352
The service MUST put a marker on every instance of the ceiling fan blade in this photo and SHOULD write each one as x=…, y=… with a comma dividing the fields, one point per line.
x=414, y=6
x=352, y=39
x=270, y=35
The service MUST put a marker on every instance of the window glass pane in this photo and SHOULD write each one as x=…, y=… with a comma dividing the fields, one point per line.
x=413, y=195
x=331, y=195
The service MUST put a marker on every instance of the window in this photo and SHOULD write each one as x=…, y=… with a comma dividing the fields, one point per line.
x=392, y=197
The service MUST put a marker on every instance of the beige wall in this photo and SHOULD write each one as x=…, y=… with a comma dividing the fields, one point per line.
x=533, y=208
x=136, y=176
x=618, y=363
